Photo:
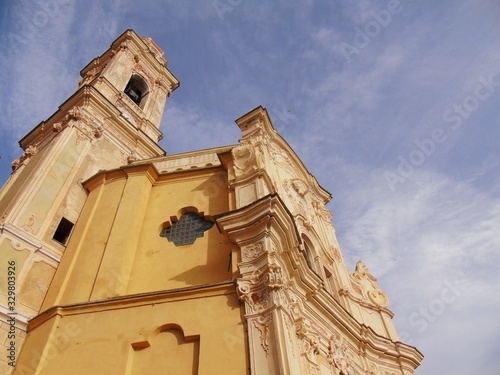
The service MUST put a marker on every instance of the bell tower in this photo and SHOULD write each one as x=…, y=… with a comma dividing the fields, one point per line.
x=111, y=120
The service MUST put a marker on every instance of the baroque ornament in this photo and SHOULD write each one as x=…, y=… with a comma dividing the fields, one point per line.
x=253, y=251
x=262, y=324
x=274, y=278
x=322, y=211
x=29, y=152
x=338, y=355
x=369, y=283
x=300, y=186
x=361, y=272
x=308, y=338
x=255, y=295
x=244, y=160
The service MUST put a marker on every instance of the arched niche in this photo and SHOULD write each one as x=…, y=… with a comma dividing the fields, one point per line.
x=167, y=351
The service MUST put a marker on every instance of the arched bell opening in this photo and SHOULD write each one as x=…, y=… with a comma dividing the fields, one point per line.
x=137, y=90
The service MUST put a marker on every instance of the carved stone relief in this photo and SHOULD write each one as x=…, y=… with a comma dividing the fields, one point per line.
x=244, y=160
x=262, y=324
x=25, y=157
x=309, y=343
x=28, y=226
x=338, y=355
x=296, y=190
x=322, y=211
x=253, y=251
x=254, y=294
x=368, y=283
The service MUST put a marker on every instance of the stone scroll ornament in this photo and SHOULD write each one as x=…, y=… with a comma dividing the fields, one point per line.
x=369, y=284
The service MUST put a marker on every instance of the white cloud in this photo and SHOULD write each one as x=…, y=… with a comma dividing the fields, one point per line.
x=434, y=231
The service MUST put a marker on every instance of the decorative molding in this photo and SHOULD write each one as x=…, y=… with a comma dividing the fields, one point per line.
x=262, y=324
x=188, y=162
x=309, y=339
x=139, y=68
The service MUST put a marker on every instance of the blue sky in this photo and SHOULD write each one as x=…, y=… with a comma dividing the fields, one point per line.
x=393, y=105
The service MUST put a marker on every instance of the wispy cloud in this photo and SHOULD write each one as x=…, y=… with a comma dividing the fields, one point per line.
x=436, y=231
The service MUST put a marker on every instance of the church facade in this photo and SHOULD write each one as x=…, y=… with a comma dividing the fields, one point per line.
x=215, y=261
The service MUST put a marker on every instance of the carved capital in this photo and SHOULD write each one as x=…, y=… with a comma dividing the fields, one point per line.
x=274, y=277
x=254, y=293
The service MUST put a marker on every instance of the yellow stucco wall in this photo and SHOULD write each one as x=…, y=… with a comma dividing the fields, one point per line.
x=199, y=330
x=181, y=307
x=116, y=248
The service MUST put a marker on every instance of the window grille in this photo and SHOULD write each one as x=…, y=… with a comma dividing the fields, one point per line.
x=185, y=231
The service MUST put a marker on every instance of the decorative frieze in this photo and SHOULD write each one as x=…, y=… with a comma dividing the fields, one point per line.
x=188, y=162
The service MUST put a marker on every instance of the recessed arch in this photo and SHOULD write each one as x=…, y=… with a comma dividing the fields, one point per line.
x=168, y=351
